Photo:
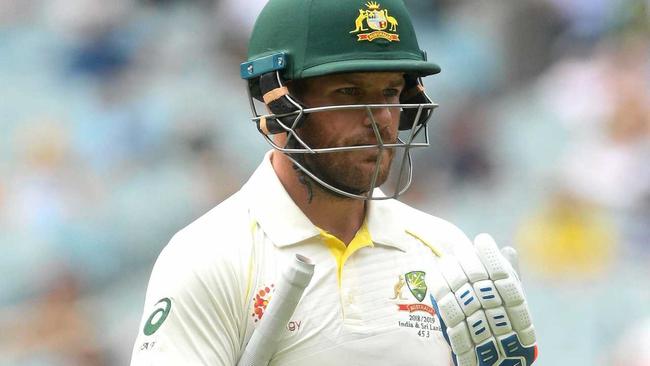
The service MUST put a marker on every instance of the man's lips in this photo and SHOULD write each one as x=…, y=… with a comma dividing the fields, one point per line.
x=373, y=143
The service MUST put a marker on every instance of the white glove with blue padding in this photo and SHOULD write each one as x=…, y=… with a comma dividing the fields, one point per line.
x=483, y=313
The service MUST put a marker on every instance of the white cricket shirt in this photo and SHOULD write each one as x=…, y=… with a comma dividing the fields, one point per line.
x=367, y=303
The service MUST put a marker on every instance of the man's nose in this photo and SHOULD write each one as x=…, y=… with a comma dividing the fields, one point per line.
x=383, y=116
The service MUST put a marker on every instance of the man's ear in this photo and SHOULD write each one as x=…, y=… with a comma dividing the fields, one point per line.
x=280, y=139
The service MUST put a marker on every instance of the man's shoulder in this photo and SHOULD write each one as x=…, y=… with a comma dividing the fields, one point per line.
x=431, y=229
x=209, y=257
x=222, y=234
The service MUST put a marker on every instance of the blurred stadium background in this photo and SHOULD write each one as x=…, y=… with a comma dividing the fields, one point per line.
x=121, y=121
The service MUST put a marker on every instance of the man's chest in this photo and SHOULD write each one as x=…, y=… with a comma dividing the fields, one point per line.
x=376, y=307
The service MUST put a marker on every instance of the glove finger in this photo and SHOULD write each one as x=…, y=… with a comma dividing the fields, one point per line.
x=455, y=338
x=463, y=297
x=459, y=339
x=471, y=264
x=453, y=272
x=466, y=359
x=510, y=291
x=449, y=310
x=519, y=316
x=489, y=254
x=437, y=284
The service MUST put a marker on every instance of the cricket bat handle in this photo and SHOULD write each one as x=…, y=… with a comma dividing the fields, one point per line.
x=288, y=291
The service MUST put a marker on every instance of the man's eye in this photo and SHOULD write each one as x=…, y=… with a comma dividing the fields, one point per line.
x=349, y=91
x=391, y=92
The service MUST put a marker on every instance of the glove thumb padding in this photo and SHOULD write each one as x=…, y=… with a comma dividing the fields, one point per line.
x=511, y=255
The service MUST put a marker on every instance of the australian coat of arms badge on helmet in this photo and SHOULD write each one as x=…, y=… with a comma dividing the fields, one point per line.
x=378, y=24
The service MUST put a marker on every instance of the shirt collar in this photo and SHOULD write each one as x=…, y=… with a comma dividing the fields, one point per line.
x=385, y=223
x=285, y=224
x=280, y=218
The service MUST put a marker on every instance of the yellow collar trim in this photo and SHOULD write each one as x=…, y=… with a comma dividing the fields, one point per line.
x=341, y=252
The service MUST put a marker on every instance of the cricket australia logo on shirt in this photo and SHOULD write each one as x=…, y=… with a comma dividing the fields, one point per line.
x=412, y=312
x=378, y=22
x=415, y=282
x=417, y=285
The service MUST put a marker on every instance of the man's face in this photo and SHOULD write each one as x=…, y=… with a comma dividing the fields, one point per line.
x=351, y=171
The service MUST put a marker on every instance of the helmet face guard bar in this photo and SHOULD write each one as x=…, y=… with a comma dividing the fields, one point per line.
x=293, y=114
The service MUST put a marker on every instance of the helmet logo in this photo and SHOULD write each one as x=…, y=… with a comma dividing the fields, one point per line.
x=382, y=25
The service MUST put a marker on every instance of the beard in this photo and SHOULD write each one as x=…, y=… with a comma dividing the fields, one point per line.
x=350, y=171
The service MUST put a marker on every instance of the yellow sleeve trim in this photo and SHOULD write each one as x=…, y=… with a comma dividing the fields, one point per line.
x=249, y=284
x=435, y=250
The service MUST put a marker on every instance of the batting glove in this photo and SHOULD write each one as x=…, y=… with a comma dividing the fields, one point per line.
x=481, y=307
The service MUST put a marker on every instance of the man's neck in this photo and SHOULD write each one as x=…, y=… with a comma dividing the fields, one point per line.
x=341, y=217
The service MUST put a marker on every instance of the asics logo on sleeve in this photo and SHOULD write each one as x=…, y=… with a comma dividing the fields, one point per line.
x=157, y=318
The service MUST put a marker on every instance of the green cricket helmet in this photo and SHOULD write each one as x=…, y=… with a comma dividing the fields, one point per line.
x=298, y=39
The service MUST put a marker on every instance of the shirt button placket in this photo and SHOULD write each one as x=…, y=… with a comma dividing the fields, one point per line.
x=352, y=312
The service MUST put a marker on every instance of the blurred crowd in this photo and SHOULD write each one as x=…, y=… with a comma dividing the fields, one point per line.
x=122, y=121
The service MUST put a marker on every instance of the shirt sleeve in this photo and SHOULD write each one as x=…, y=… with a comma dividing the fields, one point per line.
x=194, y=310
